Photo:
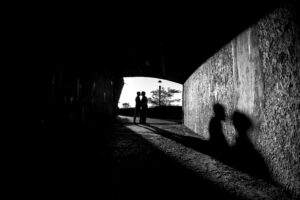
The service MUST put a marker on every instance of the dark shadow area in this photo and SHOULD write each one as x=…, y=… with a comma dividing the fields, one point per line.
x=139, y=170
x=246, y=156
x=66, y=159
x=77, y=160
x=242, y=156
x=189, y=141
x=217, y=138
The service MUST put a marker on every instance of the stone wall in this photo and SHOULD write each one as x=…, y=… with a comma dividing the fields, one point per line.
x=258, y=75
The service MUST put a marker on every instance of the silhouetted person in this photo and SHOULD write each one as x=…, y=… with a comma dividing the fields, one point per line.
x=137, y=110
x=247, y=158
x=144, y=104
x=217, y=138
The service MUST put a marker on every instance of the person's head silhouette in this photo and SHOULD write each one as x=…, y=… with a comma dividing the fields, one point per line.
x=143, y=93
x=241, y=122
x=219, y=111
x=138, y=93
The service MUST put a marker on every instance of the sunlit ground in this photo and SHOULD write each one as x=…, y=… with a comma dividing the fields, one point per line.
x=134, y=84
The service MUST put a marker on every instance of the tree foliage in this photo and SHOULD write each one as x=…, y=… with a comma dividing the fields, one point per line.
x=165, y=96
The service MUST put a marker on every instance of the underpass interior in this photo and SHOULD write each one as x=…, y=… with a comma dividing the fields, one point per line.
x=239, y=136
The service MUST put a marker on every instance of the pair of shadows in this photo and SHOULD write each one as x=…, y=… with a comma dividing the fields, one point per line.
x=241, y=156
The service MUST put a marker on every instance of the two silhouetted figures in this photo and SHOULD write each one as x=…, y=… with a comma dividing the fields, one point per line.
x=141, y=107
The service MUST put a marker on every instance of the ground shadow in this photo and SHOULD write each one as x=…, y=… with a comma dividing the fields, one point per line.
x=89, y=162
x=139, y=170
x=66, y=161
x=198, y=144
x=242, y=156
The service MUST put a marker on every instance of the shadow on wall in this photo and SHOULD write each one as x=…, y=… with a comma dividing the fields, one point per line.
x=217, y=138
x=249, y=158
x=242, y=155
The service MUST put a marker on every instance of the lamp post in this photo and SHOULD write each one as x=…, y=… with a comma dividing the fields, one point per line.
x=159, y=89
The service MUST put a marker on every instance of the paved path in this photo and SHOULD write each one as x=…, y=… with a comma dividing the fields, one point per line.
x=159, y=160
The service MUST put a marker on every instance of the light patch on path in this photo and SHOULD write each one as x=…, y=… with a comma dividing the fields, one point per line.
x=236, y=182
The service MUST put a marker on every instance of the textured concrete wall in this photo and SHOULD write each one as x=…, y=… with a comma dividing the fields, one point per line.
x=257, y=74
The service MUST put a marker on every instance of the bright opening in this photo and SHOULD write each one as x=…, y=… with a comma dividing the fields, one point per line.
x=151, y=86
